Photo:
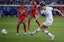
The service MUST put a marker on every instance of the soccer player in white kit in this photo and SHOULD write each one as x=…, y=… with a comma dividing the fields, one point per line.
x=47, y=11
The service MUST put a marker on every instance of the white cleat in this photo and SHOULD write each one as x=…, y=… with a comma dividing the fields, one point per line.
x=53, y=37
x=25, y=33
x=16, y=34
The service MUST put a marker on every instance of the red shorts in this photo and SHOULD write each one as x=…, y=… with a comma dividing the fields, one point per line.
x=22, y=18
x=34, y=14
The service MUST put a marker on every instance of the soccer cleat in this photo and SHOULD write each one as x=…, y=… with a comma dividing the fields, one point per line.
x=25, y=33
x=52, y=38
x=16, y=34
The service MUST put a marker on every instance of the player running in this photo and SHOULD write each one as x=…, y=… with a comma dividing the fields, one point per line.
x=47, y=11
x=22, y=13
x=33, y=14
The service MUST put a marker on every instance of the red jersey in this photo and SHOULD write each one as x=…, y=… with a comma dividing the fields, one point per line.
x=34, y=11
x=22, y=12
x=34, y=6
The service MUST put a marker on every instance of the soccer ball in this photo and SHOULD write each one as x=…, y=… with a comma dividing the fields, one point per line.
x=4, y=31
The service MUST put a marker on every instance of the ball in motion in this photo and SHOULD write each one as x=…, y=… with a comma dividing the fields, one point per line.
x=4, y=31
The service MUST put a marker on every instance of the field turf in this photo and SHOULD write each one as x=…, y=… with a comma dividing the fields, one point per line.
x=57, y=28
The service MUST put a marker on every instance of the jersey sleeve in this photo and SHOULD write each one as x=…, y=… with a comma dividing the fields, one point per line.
x=25, y=11
x=42, y=12
x=18, y=11
x=50, y=8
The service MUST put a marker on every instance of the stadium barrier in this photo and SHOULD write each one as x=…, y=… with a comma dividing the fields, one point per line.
x=29, y=5
x=61, y=7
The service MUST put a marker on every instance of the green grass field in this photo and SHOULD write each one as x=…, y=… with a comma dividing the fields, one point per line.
x=57, y=28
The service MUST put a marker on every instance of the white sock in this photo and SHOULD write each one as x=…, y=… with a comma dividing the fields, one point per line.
x=36, y=31
x=48, y=33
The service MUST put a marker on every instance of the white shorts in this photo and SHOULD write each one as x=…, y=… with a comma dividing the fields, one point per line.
x=48, y=23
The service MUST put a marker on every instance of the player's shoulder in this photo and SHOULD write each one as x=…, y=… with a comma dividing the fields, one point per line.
x=49, y=8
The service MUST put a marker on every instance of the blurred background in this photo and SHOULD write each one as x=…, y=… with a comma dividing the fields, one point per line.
x=12, y=11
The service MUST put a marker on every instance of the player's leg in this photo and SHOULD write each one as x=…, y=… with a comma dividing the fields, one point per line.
x=24, y=27
x=18, y=25
x=29, y=22
x=44, y=29
x=37, y=20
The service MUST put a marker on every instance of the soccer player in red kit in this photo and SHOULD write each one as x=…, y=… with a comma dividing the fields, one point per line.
x=33, y=14
x=22, y=13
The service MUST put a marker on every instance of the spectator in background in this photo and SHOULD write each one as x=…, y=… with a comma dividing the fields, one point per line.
x=43, y=1
x=53, y=3
x=48, y=2
x=14, y=11
x=37, y=1
x=0, y=11
x=33, y=1
x=61, y=9
x=26, y=2
x=1, y=2
x=28, y=9
x=7, y=11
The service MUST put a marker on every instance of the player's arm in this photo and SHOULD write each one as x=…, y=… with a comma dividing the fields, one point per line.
x=59, y=12
x=18, y=13
x=24, y=12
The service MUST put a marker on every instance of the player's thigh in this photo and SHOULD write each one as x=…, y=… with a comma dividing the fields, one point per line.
x=24, y=21
x=31, y=14
x=30, y=17
x=19, y=22
x=45, y=25
x=35, y=16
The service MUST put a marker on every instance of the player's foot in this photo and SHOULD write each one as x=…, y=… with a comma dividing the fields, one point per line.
x=52, y=38
x=25, y=33
x=30, y=33
x=16, y=34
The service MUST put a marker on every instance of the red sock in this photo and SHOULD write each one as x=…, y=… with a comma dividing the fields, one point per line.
x=24, y=27
x=38, y=23
x=29, y=24
x=18, y=28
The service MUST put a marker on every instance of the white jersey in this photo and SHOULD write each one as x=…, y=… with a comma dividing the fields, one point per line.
x=48, y=14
